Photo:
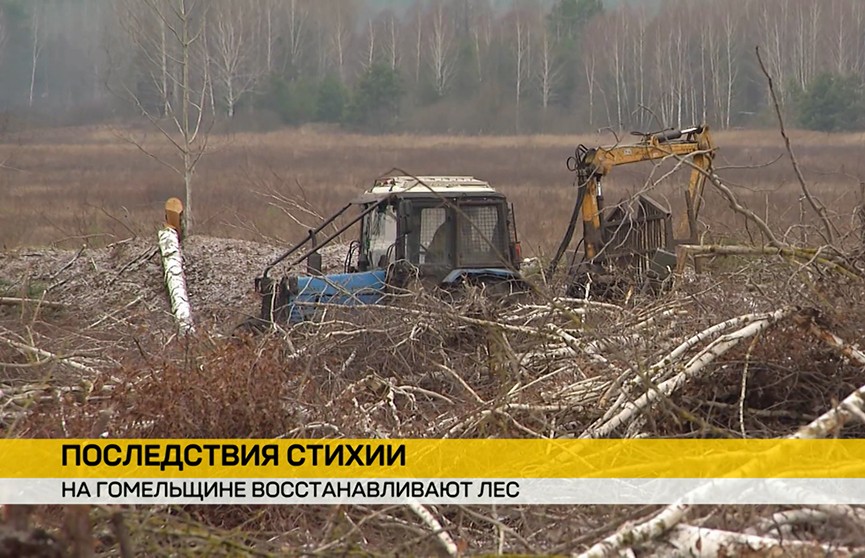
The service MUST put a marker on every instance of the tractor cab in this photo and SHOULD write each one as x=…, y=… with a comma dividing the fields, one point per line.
x=440, y=230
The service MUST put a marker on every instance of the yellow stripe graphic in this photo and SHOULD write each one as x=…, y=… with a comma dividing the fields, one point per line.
x=415, y=458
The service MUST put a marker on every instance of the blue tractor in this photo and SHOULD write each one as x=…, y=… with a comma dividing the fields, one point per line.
x=443, y=231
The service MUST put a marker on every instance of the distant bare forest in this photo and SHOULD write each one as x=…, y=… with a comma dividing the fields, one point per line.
x=440, y=66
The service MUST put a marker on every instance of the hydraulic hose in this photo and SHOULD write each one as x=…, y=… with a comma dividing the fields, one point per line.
x=569, y=233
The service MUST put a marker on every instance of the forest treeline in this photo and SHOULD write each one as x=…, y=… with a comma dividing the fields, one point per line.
x=444, y=66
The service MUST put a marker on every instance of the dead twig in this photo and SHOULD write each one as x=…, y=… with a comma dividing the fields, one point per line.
x=29, y=349
x=15, y=301
x=818, y=208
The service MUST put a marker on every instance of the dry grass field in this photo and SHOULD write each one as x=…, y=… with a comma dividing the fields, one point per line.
x=77, y=186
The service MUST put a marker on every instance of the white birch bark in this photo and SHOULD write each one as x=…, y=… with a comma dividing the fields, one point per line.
x=441, y=49
x=430, y=520
x=175, y=282
x=687, y=540
x=699, y=362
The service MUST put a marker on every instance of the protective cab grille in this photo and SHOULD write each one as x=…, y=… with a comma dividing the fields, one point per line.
x=480, y=235
x=634, y=233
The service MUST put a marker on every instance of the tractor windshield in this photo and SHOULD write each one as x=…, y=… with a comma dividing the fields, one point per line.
x=436, y=233
x=379, y=234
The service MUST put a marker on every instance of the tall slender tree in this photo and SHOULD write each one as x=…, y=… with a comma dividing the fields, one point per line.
x=175, y=64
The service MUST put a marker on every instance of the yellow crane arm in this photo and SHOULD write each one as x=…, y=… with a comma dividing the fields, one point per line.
x=591, y=165
x=597, y=163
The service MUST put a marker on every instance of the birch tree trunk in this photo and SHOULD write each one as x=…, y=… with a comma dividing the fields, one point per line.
x=393, y=46
x=175, y=282
x=34, y=53
x=547, y=71
x=296, y=26
x=441, y=50
x=521, y=48
x=729, y=29
x=589, y=63
x=188, y=76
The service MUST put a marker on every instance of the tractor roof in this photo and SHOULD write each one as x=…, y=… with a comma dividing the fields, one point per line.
x=428, y=186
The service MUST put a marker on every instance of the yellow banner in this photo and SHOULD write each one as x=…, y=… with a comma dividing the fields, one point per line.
x=432, y=458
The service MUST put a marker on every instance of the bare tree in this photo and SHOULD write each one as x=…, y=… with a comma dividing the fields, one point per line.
x=370, y=43
x=679, y=71
x=36, y=19
x=340, y=23
x=729, y=26
x=617, y=75
x=392, y=45
x=857, y=20
x=441, y=49
x=297, y=17
x=548, y=71
x=717, y=46
x=3, y=34
x=521, y=58
x=382, y=40
x=266, y=32
x=678, y=59
x=174, y=62
x=418, y=42
x=481, y=35
x=589, y=63
x=639, y=62
x=774, y=40
x=230, y=35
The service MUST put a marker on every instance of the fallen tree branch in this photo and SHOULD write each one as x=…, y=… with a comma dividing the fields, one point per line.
x=143, y=257
x=697, y=364
x=639, y=534
x=655, y=372
x=29, y=349
x=15, y=301
x=849, y=351
x=429, y=519
x=500, y=526
x=852, y=405
x=688, y=540
x=780, y=523
x=818, y=208
x=67, y=265
x=834, y=418
x=807, y=254
x=667, y=518
x=135, y=301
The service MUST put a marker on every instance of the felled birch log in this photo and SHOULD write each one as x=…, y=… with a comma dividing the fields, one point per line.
x=692, y=541
x=638, y=534
x=430, y=521
x=692, y=369
x=803, y=254
x=175, y=282
x=48, y=356
x=852, y=406
x=687, y=540
x=661, y=369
